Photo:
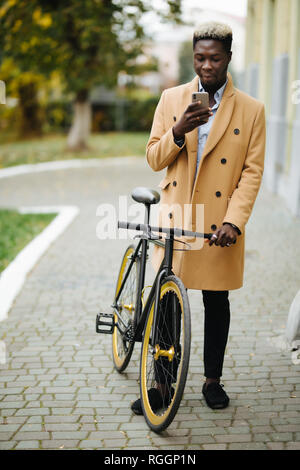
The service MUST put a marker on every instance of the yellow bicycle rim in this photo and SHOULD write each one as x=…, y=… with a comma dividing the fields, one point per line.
x=155, y=419
x=119, y=360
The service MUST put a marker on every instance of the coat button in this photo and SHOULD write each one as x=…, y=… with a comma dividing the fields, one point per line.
x=170, y=215
x=218, y=194
x=174, y=183
x=236, y=131
x=174, y=118
x=213, y=227
x=223, y=161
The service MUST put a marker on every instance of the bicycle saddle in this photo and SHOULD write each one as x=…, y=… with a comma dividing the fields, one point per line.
x=145, y=195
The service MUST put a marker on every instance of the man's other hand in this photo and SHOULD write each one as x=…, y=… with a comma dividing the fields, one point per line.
x=224, y=236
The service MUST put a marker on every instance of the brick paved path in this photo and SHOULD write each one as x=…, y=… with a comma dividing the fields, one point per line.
x=58, y=388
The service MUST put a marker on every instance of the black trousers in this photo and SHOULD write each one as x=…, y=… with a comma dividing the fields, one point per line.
x=216, y=328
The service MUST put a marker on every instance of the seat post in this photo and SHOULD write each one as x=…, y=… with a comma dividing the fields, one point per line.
x=143, y=259
x=147, y=213
x=168, y=259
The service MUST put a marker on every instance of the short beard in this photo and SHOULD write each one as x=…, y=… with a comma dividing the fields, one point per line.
x=213, y=88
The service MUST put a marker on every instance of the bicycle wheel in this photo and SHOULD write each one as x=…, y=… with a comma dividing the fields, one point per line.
x=166, y=362
x=121, y=348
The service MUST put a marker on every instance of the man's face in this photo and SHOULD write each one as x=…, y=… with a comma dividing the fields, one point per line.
x=211, y=62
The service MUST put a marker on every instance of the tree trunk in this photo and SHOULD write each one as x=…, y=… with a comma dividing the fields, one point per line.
x=80, y=130
x=30, y=121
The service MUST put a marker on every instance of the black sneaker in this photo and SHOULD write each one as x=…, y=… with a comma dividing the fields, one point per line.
x=156, y=401
x=215, y=396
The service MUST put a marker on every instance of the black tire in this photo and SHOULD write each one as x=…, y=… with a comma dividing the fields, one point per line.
x=167, y=366
x=122, y=349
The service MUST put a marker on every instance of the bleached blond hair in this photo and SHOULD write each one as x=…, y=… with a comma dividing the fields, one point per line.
x=214, y=30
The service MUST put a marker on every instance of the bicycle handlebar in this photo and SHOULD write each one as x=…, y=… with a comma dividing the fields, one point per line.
x=174, y=231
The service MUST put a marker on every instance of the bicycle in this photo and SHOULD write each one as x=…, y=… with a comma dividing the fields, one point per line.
x=162, y=323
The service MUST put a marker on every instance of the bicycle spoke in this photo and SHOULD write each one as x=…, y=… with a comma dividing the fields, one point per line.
x=160, y=370
x=164, y=362
x=122, y=348
x=127, y=298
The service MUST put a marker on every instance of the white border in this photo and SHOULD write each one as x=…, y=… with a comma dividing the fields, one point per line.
x=65, y=164
x=14, y=276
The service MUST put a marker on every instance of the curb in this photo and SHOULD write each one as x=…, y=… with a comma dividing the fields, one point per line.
x=14, y=276
x=64, y=165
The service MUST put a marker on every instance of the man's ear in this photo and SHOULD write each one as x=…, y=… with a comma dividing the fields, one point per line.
x=229, y=56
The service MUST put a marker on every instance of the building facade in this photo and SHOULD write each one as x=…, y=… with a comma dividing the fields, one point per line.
x=167, y=40
x=272, y=75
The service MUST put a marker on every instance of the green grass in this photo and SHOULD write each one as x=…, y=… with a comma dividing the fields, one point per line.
x=17, y=230
x=50, y=148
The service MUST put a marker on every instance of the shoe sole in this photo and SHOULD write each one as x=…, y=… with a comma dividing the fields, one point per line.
x=220, y=406
x=137, y=412
x=217, y=407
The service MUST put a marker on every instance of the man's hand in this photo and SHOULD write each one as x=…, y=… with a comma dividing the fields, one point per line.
x=224, y=236
x=194, y=115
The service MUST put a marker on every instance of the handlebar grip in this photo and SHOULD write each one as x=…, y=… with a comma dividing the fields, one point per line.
x=129, y=226
x=175, y=231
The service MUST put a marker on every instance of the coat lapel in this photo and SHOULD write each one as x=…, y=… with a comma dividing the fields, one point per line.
x=220, y=124
x=192, y=137
x=222, y=118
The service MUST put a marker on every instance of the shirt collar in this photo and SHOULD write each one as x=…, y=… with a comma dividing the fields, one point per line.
x=219, y=93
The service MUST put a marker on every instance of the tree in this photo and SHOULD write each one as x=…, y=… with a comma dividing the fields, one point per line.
x=89, y=42
x=186, y=68
x=24, y=86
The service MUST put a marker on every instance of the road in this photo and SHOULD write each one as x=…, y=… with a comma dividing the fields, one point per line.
x=58, y=388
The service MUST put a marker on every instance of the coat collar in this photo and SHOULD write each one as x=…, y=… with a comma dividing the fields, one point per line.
x=219, y=126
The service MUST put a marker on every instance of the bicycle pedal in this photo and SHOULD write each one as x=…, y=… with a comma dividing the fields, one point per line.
x=106, y=321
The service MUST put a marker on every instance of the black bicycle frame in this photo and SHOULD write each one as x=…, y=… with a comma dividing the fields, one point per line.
x=164, y=270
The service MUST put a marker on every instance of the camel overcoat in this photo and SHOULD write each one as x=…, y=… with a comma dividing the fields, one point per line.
x=224, y=190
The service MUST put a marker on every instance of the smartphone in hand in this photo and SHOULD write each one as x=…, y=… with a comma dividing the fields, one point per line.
x=201, y=96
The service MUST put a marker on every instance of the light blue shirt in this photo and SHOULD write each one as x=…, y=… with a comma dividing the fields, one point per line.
x=203, y=130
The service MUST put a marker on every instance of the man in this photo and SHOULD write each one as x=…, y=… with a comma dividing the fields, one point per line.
x=214, y=156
